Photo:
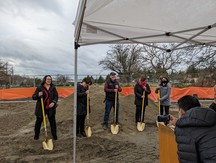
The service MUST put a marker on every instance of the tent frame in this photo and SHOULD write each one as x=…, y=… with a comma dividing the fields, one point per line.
x=126, y=40
x=200, y=30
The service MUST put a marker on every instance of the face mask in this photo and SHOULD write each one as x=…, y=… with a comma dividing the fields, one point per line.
x=164, y=82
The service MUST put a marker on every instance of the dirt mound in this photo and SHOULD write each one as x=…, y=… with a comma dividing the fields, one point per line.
x=17, y=126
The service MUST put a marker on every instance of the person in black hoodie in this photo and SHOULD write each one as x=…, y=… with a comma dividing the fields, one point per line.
x=48, y=91
x=139, y=88
x=82, y=91
x=195, y=131
x=111, y=86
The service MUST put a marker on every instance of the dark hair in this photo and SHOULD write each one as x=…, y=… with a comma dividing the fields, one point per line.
x=112, y=73
x=44, y=79
x=165, y=78
x=187, y=102
x=142, y=78
x=87, y=80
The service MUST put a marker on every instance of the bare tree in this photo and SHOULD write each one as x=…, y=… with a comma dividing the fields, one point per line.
x=6, y=72
x=162, y=61
x=205, y=62
x=206, y=58
x=123, y=59
x=62, y=79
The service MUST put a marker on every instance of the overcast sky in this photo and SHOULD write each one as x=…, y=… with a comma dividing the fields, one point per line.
x=37, y=37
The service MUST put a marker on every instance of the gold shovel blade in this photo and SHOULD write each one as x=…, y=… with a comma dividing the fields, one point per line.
x=140, y=126
x=114, y=129
x=47, y=144
x=88, y=131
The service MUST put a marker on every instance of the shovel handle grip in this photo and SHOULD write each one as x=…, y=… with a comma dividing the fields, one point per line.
x=87, y=107
x=159, y=101
x=143, y=105
x=116, y=93
x=43, y=112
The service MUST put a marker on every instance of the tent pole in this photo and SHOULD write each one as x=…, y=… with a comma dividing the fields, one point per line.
x=189, y=39
x=75, y=102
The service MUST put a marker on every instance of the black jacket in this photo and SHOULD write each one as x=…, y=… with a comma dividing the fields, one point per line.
x=81, y=100
x=213, y=106
x=196, y=136
x=109, y=87
x=53, y=97
x=138, y=91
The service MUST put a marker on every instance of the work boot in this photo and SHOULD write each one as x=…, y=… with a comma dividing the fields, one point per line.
x=36, y=137
x=105, y=127
x=78, y=135
x=55, y=137
x=83, y=134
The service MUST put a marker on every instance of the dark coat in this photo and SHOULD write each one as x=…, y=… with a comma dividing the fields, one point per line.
x=109, y=87
x=53, y=97
x=213, y=106
x=164, y=94
x=81, y=100
x=138, y=91
x=196, y=136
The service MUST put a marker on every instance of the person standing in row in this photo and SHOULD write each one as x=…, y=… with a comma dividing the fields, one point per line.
x=82, y=92
x=48, y=92
x=139, y=89
x=111, y=87
x=165, y=90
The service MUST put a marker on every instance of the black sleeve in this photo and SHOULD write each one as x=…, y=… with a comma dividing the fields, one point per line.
x=148, y=90
x=79, y=93
x=136, y=91
x=213, y=106
x=55, y=100
x=35, y=95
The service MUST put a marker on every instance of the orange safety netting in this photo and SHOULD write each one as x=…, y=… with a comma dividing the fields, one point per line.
x=20, y=93
x=176, y=93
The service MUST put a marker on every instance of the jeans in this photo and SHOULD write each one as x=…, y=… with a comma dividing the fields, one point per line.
x=109, y=104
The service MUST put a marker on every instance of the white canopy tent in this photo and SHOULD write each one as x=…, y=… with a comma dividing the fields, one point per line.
x=186, y=22
x=146, y=21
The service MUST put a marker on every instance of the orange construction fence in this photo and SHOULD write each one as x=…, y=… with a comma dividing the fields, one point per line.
x=176, y=93
x=168, y=145
x=20, y=93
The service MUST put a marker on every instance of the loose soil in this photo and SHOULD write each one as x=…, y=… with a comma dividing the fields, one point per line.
x=129, y=145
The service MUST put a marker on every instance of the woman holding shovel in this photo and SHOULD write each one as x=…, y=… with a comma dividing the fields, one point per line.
x=165, y=89
x=141, y=90
x=82, y=92
x=49, y=95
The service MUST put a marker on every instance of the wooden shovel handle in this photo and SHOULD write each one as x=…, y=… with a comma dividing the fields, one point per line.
x=43, y=112
x=159, y=101
x=143, y=103
x=115, y=107
x=87, y=106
